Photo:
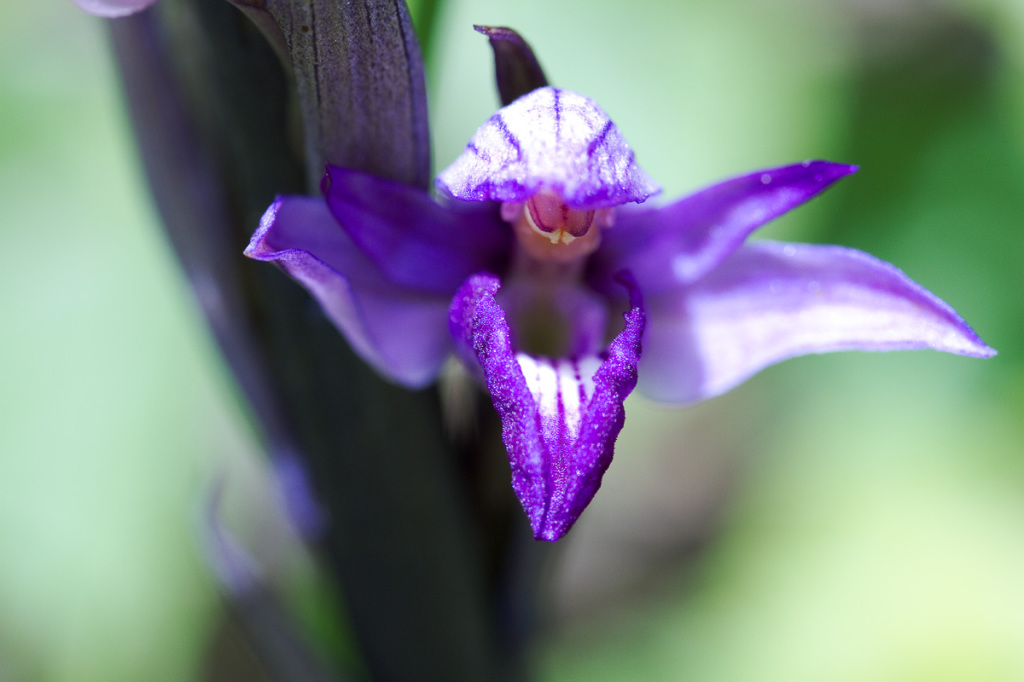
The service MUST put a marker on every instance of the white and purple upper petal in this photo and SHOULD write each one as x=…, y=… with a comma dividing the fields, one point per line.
x=560, y=416
x=548, y=139
x=679, y=243
x=112, y=9
x=402, y=332
x=771, y=301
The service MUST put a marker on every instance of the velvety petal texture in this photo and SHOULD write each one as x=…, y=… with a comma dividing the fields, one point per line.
x=560, y=416
x=414, y=241
x=399, y=330
x=770, y=301
x=553, y=140
x=112, y=9
x=679, y=243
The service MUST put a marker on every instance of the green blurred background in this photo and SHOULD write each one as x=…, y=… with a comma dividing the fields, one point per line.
x=852, y=517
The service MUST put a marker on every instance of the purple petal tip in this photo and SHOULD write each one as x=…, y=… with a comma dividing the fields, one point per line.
x=257, y=249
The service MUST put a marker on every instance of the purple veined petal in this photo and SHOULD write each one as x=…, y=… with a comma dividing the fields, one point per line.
x=414, y=241
x=402, y=333
x=678, y=244
x=516, y=68
x=549, y=139
x=771, y=301
x=111, y=9
x=560, y=416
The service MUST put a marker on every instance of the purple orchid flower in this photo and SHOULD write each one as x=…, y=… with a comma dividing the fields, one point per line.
x=533, y=245
x=112, y=9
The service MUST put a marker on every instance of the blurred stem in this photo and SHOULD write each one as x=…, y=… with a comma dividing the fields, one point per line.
x=277, y=644
x=212, y=120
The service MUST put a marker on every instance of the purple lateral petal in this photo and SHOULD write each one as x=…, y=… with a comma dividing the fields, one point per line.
x=113, y=8
x=771, y=301
x=401, y=332
x=559, y=417
x=679, y=243
x=516, y=68
x=549, y=139
x=414, y=241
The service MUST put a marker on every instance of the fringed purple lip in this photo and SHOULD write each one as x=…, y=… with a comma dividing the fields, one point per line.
x=560, y=416
x=408, y=280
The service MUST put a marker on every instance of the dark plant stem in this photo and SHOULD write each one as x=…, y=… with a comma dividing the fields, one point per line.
x=210, y=105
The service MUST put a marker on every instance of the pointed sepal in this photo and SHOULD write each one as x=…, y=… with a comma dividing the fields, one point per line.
x=399, y=331
x=675, y=245
x=770, y=301
x=516, y=68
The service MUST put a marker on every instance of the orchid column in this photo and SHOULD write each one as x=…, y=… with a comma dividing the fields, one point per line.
x=223, y=128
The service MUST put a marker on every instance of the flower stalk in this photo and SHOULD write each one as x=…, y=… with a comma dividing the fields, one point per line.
x=215, y=133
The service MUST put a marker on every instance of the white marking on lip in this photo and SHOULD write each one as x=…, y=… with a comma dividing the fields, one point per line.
x=562, y=389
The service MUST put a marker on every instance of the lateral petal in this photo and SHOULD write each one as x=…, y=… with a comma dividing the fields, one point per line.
x=560, y=416
x=414, y=241
x=678, y=244
x=400, y=331
x=771, y=301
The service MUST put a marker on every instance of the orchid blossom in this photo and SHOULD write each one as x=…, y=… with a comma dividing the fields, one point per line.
x=533, y=249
